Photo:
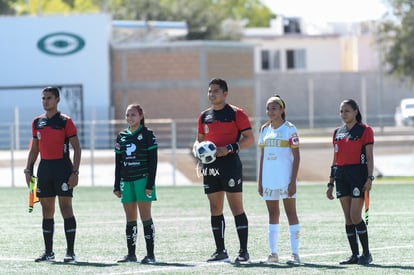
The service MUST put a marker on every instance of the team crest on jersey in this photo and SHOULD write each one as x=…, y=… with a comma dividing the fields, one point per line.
x=356, y=192
x=206, y=129
x=39, y=135
x=139, y=137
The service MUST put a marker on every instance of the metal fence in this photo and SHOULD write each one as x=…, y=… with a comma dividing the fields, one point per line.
x=174, y=135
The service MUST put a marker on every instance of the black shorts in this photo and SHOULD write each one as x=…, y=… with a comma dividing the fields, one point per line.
x=350, y=180
x=52, y=178
x=224, y=174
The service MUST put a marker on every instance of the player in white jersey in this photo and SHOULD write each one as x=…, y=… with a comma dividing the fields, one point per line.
x=279, y=165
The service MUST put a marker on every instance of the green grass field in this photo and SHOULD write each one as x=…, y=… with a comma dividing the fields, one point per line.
x=184, y=240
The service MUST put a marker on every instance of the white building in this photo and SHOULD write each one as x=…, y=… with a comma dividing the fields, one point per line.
x=292, y=45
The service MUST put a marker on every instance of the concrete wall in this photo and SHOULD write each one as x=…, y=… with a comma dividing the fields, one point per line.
x=171, y=80
x=319, y=95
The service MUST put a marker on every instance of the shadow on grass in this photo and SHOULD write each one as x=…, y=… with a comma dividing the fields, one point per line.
x=171, y=264
x=79, y=263
x=284, y=266
x=392, y=266
x=96, y=264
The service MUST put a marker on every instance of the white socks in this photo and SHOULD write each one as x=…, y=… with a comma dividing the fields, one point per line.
x=273, y=237
x=294, y=238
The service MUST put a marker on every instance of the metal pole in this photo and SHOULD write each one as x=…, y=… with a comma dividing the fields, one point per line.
x=364, y=98
x=92, y=151
x=174, y=149
x=16, y=124
x=311, y=106
x=12, y=154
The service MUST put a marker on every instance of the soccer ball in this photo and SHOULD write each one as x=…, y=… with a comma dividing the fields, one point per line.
x=206, y=151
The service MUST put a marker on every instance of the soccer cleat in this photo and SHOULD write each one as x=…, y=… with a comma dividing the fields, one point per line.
x=243, y=257
x=46, y=257
x=271, y=259
x=365, y=259
x=294, y=260
x=219, y=256
x=128, y=259
x=148, y=260
x=351, y=260
x=70, y=258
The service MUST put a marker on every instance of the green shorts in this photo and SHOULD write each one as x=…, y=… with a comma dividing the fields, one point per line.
x=134, y=191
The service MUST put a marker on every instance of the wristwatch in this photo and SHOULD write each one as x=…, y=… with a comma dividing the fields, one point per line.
x=371, y=178
x=75, y=172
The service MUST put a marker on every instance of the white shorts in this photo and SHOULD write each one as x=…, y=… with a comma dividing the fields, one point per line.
x=275, y=194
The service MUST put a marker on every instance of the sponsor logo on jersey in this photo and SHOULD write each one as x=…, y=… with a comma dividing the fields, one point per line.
x=210, y=172
x=42, y=123
x=130, y=148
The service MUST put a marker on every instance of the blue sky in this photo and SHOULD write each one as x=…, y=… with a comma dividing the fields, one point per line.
x=329, y=10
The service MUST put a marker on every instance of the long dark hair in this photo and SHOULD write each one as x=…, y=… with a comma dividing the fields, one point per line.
x=354, y=107
x=140, y=111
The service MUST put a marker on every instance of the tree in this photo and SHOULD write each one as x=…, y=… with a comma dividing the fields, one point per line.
x=206, y=19
x=396, y=35
x=6, y=7
x=41, y=7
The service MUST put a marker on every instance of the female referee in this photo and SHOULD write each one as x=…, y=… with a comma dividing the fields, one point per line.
x=352, y=167
x=135, y=168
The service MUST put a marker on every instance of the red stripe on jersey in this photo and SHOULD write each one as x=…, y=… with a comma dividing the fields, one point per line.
x=53, y=135
x=349, y=145
x=224, y=126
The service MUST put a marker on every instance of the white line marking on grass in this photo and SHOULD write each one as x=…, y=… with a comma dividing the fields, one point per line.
x=341, y=252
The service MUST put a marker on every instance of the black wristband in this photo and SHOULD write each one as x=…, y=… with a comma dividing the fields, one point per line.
x=235, y=147
x=330, y=184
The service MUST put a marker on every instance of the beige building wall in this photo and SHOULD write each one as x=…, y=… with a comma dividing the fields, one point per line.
x=171, y=80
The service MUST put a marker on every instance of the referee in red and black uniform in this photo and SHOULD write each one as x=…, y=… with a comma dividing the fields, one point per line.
x=57, y=175
x=228, y=127
x=352, y=168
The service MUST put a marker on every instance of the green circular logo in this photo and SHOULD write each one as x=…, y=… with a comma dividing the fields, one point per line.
x=61, y=43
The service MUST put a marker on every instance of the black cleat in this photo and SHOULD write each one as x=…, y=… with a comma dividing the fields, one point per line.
x=46, y=257
x=351, y=260
x=69, y=258
x=148, y=260
x=128, y=259
x=365, y=259
x=219, y=256
x=243, y=257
